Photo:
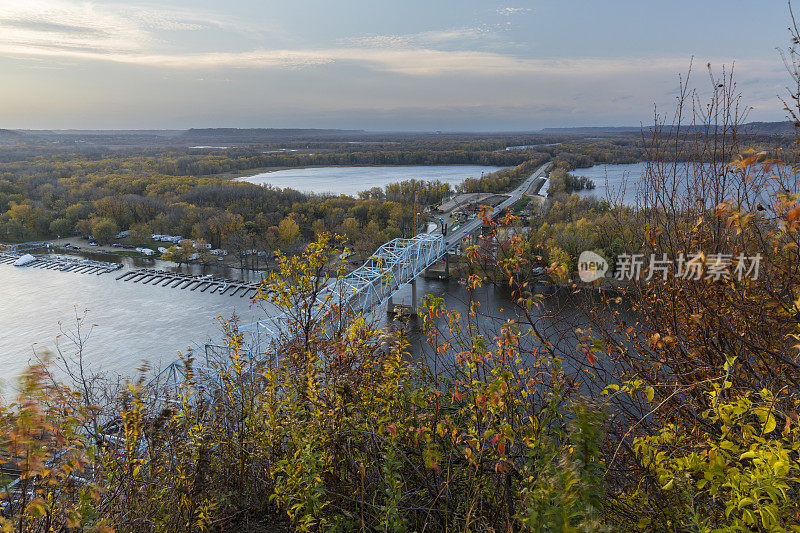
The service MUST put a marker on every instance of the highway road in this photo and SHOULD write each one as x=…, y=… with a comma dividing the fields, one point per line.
x=455, y=237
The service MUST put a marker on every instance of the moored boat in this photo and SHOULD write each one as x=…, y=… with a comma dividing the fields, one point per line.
x=24, y=260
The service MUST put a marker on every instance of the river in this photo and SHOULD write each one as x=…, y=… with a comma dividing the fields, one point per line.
x=352, y=180
x=619, y=182
x=132, y=323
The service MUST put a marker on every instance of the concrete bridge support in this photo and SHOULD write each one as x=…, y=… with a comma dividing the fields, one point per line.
x=440, y=270
x=399, y=305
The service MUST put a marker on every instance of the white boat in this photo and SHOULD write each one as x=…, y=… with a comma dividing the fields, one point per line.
x=26, y=259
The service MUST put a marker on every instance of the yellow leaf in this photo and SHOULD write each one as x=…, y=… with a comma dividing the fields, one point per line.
x=770, y=424
x=649, y=393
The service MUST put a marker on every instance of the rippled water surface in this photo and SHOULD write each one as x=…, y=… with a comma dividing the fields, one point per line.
x=136, y=322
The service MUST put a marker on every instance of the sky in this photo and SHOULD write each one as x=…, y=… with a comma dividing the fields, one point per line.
x=410, y=65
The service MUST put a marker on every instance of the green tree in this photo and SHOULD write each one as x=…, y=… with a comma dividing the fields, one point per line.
x=76, y=212
x=140, y=233
x=84, y=227
x=104, y=230
x=351, y=229
x=61, y=227
x=318, y=227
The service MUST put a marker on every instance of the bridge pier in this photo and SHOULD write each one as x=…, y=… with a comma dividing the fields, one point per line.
x=398, y=307
x=440, y=270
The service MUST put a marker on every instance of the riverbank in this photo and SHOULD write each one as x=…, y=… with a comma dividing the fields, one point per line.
x=234, y=174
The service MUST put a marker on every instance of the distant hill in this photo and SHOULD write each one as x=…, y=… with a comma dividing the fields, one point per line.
x=261, y=134
x=137, y=133
x=781, y=129
x=10, y=137
x=593, y=130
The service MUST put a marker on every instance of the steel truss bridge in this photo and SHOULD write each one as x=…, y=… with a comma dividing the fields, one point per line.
x=396, y=263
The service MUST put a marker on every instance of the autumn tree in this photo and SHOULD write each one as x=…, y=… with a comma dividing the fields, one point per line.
x=288, y=231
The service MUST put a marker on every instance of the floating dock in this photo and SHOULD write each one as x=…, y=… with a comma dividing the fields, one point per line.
x=145, y=276
x=214, y=285
x=65, y=264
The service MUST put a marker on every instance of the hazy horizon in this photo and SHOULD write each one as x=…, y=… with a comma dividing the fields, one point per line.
x=384, y=67
x=367, y=131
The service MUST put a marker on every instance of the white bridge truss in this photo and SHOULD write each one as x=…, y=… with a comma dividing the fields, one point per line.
x=393, y=265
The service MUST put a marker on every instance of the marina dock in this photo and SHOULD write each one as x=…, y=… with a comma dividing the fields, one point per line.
x=145, y=276
x=177, y=280
x=64, y=264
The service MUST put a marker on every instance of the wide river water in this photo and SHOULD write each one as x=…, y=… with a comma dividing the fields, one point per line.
x=352, y=180
x=619, y=182
x=131, y=323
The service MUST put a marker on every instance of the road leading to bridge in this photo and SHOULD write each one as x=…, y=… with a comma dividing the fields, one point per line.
x=455, y=237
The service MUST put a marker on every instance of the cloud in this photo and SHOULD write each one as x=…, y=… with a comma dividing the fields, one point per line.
x=29, y=27
x=126, y=35
x=411, y=61
x=57, y=24
x=163, y=20
x=508, y=11
x=379, y=41
x=421, y=39
x=35, y=26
